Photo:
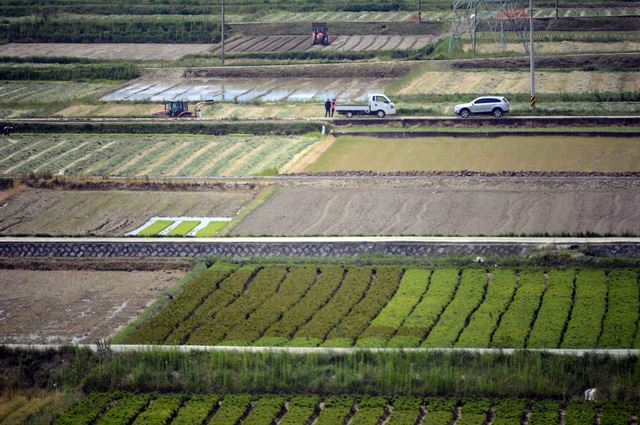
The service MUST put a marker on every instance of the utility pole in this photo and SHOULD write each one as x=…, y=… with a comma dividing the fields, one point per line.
x=556, y=9
x=532, y=102
x=222, y=36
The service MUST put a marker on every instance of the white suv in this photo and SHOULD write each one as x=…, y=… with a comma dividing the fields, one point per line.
x=494, y=105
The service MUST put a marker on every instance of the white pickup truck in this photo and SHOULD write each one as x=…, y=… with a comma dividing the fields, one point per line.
x=379, y=105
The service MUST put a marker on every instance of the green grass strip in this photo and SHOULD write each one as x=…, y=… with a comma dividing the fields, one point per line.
x=483, y=323
x=622, y=314
x=155, y=228
x=413, y=285
x=554, y=312
x=516, y=322
x=211, y=229
x=589, y=308
x=183, y=228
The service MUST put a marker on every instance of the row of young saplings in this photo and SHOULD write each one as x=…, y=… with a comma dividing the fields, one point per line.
x=181, y=409
x=392, y=306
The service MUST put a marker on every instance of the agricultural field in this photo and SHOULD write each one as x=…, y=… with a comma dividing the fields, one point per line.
x=441, y=206
x=560, y=47
x=249, y=89
x=506, y=82
x=181, y=226
x=392, y=306
x=152, y=155
x=340, y=43
x=85, y=306
x=51, y=91
x=123, y=408
x=113, y=51
x=101, y=212
x=434, y=15
x=508, y=153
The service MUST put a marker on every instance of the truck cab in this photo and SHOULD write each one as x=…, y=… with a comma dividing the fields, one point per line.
x=379, y=105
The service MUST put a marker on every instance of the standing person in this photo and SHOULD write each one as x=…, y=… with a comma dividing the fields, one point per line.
x=327, y=108
x=333, y=107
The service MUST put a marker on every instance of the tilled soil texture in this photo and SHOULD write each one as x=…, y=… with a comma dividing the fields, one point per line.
x=108, y=213
x=83, y=307
x=450, y=206
x=342, y=43
x=132, y=51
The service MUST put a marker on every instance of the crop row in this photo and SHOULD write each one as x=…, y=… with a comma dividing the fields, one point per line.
x=149, y=155
x=176, y=409
x=389, y=306
x=184, y=226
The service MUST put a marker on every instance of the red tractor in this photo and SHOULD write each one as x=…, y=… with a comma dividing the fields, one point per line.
x=175, y=108
x=320, y=33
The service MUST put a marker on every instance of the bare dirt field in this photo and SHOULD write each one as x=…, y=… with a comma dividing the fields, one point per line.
x=556, y=47
x=135, y=51
x=108, y=213
x=508, y=153
x=74, y=306
x=353, y=43
x=449, y=206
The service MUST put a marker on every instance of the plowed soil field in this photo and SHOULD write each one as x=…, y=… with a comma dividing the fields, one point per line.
x=83, y=307
x=442, y=206
x=108, y=213
x=133, y=51
x=354, y=43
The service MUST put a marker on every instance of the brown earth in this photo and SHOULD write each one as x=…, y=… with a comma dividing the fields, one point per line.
x=74, y=306
x=108, y=213
x=449, y=206
x=337, y=70
x=134, y=51
x=101, y=264
x=596, y=61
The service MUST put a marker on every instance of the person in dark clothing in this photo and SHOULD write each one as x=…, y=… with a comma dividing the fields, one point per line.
x=6, y=130
x=327, y=108
x=333, y=107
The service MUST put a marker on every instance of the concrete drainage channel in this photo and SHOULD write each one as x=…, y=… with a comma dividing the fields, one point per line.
x=308, y=247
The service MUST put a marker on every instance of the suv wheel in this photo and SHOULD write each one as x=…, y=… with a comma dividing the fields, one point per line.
x=465, y=113
x=380, y=114
x=497, y=112
x=349, y=114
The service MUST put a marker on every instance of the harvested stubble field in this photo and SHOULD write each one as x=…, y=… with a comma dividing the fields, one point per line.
x=342, y=43
x=392, y=306
x=83, y=307
x=508, y=153
x=109, y=51
x=109, y=213
x=450, y=206
x=154, y=155
x=246, y=409
x=505, y=82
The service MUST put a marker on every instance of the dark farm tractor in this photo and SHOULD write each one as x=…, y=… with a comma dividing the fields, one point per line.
x=320, y=33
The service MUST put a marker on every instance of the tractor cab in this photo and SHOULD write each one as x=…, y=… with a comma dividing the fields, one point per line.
x=320, y=33
x=175, y=108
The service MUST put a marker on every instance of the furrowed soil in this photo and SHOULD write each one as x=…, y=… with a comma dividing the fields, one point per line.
x=108, y=213
x=134, y=51
x=85, y=305
x=449, y=206
x=515, y=153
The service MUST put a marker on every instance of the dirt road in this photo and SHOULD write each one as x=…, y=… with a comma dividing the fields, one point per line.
x=449, y=206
